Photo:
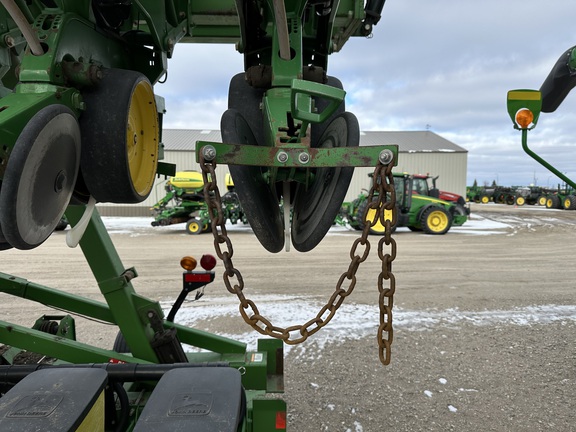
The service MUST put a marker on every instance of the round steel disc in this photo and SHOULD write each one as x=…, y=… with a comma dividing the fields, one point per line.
x=40, y=177
x=259, y=203
x=316, y=207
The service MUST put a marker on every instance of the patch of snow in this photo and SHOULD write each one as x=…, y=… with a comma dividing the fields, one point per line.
x=428, y=393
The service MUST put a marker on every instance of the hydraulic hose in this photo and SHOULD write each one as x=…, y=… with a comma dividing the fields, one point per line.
x=559, y=82
x=24, y=26
x=373, y=11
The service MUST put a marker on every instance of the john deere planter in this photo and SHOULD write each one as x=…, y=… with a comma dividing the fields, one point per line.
x=81, y=124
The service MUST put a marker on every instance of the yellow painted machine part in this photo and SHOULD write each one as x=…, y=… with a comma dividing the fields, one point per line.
x=437, y=221
x=187, y=180
x=378, y=228
x=94, y=420
x=142, y=135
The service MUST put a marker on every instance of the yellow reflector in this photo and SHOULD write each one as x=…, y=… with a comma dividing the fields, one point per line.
x=524, y=118
x=188, y=263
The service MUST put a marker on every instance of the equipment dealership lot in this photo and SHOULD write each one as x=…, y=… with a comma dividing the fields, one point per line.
x=484, y=318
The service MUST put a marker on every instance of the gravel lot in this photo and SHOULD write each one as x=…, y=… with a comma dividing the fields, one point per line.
x=485, y=318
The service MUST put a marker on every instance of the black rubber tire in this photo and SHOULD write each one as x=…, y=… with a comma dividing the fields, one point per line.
x=570, y=202
x=39, y=177
x=194, y=227
x=120, y=345
x=116, y=168
x=427, y=224
x=259, y=203
x=553, y=202
x=316, y=207
x=378, y=229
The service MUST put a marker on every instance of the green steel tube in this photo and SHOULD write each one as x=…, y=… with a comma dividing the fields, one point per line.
x=542, y=161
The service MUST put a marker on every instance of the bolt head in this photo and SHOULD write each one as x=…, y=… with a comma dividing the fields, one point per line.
x=304, y=157
x=385, y=157
x=282, y=157
x=209, y=153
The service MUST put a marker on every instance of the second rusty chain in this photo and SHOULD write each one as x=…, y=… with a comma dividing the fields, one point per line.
x=381, y=197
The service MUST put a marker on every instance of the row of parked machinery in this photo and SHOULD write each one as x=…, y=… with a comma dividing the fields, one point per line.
x=561, y=197
x=421, y=205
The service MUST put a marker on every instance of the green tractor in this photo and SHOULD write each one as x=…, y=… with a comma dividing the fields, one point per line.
x=416, y=211
x=185, y=191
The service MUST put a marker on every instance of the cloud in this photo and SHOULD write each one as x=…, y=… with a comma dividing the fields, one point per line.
x=441, y=64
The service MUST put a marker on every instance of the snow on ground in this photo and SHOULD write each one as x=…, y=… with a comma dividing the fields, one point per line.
x=353, y=320
x=135, y=226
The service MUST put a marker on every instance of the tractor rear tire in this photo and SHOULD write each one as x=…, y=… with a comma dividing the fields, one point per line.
x=435, y=220
x=553, y=202
x=570, y=202
x=363, y=217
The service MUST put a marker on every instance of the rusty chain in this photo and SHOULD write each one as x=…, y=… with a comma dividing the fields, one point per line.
x=381, y=197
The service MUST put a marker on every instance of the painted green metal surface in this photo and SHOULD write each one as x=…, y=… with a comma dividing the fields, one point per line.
x=294, y=155
x=79, y=39
x=532, y=100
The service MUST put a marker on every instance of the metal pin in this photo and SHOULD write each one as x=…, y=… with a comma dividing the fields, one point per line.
x=385, y=157
x=209, y=153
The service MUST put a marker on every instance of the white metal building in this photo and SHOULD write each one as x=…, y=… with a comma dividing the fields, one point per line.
x=420, y=152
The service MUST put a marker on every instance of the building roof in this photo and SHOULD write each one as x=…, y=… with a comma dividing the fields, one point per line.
x=407, y=141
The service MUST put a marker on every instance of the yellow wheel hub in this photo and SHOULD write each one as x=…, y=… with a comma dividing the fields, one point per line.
x=194, y=227
x=485, y=200
x=142, y=138
x=437, y=221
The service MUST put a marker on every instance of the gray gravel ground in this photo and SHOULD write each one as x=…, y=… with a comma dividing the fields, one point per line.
x=485, y=320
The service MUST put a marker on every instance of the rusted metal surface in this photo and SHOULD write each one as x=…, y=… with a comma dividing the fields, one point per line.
x=381, y=197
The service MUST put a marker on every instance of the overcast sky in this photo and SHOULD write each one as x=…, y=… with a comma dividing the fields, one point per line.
x=445, y=65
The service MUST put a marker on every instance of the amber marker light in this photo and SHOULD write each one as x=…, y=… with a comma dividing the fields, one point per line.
x=188, y=263
x=524, y=118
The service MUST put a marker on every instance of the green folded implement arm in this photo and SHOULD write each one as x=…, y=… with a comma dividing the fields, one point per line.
x=81, y=124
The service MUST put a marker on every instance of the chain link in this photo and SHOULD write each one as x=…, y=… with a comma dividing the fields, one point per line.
x=381, y=197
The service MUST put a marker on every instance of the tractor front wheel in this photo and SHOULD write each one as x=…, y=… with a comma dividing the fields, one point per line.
x=435, y=220
x=520, y=200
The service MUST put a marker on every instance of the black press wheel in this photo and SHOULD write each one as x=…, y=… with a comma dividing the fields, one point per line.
x=259, y=203
x=39, y=177
x=316, y=206
x=120, y=138
x=120, y=345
